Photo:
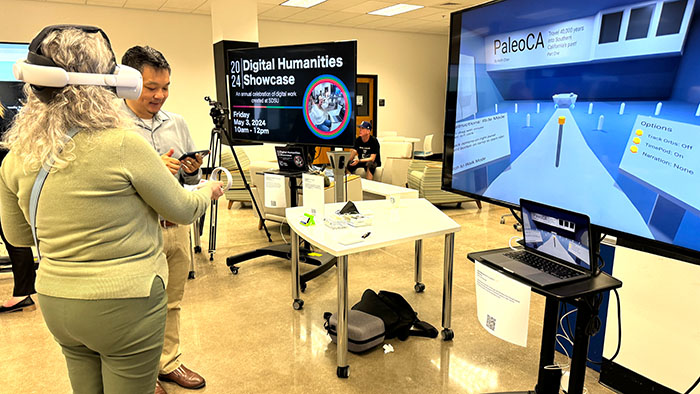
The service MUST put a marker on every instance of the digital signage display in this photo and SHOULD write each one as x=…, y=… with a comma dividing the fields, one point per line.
x=300, y=94
x=590, y=106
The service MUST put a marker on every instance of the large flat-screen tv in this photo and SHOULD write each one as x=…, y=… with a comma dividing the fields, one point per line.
x=298, y=94
x=592, y=106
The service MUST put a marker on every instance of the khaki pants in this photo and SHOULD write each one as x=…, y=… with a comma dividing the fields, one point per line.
x=111, y=346
x=176, y=246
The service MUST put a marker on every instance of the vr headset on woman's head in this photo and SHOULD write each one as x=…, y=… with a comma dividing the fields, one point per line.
x=48, y=78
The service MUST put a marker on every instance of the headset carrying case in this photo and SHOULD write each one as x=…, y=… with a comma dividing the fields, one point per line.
x=365, y=331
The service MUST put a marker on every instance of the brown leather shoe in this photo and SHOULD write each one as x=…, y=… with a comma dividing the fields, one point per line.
x=159, y=388
x=184, y=378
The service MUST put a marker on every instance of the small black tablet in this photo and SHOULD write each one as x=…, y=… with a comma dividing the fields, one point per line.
x=192, y=154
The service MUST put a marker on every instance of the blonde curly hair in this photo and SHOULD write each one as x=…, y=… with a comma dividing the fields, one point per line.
x=39, y=130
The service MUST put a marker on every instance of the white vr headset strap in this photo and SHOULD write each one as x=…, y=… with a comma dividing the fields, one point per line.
x=216, y=174
x=34, y=196
x=127, y=80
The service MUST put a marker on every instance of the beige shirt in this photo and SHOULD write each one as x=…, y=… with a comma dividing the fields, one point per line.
x=97, y=219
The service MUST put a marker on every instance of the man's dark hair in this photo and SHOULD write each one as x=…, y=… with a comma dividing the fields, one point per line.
x=138, y=57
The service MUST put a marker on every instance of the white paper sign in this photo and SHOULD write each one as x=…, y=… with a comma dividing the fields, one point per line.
x=275, y=195
x=480, y=141
x=313, y=195
x=502, y=305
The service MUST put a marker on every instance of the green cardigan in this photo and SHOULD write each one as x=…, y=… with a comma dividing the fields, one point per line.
x=97, y=219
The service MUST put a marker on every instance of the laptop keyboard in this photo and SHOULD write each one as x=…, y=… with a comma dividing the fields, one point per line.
x=543, y=264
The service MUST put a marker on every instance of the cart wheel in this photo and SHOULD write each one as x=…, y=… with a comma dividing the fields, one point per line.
x=503, y=221
x=447, y=334
x=298, y=304
x=211, y=256
x=234, y=270
x=303, y=287
x=419, y=287
x=191, y=275
x=343, y=372
x=198, y=249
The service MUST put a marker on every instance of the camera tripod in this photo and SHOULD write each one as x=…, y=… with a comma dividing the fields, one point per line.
x=218, y=114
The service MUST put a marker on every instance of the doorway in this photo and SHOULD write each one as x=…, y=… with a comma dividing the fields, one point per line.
x=366, y=101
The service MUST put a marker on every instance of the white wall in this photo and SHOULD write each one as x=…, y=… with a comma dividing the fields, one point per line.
x=411, y=68
x=660, y=323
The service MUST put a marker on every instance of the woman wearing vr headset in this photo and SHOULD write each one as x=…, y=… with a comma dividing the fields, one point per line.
x=102, y=272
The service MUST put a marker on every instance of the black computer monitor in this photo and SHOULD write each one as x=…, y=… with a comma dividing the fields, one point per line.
x=295, y=94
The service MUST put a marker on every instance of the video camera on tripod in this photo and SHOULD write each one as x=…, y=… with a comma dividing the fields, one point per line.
x=218, y=113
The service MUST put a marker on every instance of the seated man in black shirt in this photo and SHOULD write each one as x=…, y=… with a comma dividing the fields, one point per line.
x=365, y=153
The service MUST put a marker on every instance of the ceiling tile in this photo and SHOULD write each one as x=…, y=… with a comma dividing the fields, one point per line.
x=420, y=13
x=279, y=12
x=182, y=4
x=264, y=7
x=333, y=5
x=204, y=9
x=440, y=16
x=144, y=4
x=108, y=3
x=337, y=16
x=367, y=6
x=310, y=15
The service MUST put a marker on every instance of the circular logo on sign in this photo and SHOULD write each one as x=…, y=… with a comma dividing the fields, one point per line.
x=327, y=106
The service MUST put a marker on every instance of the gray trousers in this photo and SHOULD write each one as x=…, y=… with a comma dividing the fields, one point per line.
x=111, y=346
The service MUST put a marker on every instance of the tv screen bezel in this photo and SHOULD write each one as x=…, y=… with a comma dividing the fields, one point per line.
x=320, y=142
x=624, y=239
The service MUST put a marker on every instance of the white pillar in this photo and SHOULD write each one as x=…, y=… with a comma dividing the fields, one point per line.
x=234, y=20
x=622, y=109
x=658, y=109
x=600, y=122
x=590, y=108
x=527, y=121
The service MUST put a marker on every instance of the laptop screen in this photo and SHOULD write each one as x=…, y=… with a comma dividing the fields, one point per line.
x=557, y=233
x=290, y=158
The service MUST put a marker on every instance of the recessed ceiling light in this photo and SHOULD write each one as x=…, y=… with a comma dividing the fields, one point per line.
x=302, y=3
x=395, y=9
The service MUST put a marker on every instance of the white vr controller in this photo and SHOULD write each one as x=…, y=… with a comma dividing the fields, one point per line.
x=127, y=80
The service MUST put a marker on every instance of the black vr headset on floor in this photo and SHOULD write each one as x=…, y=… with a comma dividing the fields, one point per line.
x=48, y=78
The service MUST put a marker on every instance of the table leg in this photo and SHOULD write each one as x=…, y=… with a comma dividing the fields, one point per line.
x=298, y=303
x=447, y=333
x=419, y=286
x=580, y=348
x=342, y=329
x=548, y=379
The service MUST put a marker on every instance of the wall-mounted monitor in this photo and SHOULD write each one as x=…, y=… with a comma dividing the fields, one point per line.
x=592, y=106
x=298, y=94
x=11, y=93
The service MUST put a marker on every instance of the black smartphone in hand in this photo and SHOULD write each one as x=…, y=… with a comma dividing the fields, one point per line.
x=194, y=153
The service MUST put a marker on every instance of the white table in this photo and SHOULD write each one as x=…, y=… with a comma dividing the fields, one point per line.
x=387, y=189
x=413, y=220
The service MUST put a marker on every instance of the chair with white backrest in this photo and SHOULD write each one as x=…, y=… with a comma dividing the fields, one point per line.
x=427, y=147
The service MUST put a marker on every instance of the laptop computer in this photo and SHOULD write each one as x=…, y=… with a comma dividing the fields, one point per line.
x=559, y=247
x=290, y=160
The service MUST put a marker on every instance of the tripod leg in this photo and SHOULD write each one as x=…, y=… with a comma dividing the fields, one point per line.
x=247, y=187
x=215, y=161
